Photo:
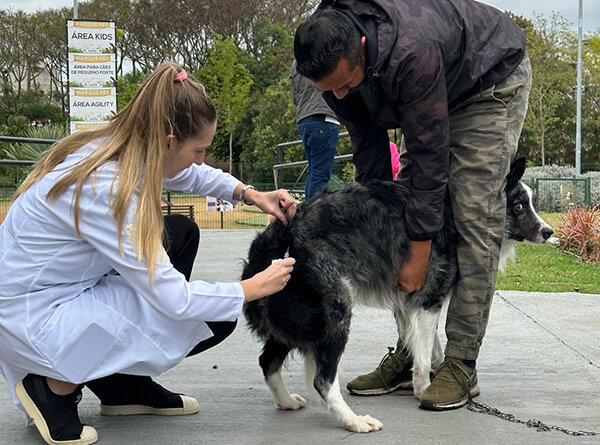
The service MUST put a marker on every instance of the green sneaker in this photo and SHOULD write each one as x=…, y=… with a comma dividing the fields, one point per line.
x=393, y=373
x=452, y=386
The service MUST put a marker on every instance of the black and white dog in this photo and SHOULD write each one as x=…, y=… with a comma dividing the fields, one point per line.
x=348, y=247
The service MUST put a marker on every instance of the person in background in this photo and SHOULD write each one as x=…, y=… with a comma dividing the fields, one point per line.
x=319, y=130
x=89, y=295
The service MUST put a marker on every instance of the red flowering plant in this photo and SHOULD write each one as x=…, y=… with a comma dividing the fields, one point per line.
x=579, y=233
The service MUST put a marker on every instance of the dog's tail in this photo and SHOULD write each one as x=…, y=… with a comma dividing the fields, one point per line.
x=269, y=245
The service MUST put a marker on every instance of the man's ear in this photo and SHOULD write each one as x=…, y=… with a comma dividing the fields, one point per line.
x=363, y=41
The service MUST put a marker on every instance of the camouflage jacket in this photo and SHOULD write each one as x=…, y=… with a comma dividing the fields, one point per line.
x=423, y=58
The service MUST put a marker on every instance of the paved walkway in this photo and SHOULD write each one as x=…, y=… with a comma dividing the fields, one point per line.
x=541, y=359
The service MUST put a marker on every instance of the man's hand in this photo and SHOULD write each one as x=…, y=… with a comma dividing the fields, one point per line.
x=411, y=276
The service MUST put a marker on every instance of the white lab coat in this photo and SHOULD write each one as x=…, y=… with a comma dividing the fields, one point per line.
x=64, y=313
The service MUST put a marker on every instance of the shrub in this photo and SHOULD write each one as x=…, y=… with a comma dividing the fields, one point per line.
x=43, y=113
x=579, y=233
x=15, y=126
x=548, y=171
x=348, y=172
x=32, y=152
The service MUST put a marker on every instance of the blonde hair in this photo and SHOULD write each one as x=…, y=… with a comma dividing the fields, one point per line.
x=136, y=138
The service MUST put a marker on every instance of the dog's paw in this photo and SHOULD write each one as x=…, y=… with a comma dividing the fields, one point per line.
x=419, y=390
x=295, y=402
x=418, y=394
x=420, y=384
x=364, y=424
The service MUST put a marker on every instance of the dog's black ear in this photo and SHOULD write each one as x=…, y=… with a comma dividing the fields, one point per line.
x=517, y=168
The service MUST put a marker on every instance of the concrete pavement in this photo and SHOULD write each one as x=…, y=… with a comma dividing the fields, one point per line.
x=540, y=359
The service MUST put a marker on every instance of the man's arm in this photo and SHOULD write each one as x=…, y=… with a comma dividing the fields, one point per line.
x=425, y=126
x=423, y=108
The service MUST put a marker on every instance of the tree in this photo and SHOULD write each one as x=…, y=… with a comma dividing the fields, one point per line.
x=128, y=86
x=18, y=67
x=228, y=83
x=550, y=48
x=590, y=107
x=269, y=57
x=50, y=48
x=275, y=123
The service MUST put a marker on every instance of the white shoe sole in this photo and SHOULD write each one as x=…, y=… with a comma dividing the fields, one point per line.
x=381, y=391
x=474, y=392
x=88, y=434
x=190, y=406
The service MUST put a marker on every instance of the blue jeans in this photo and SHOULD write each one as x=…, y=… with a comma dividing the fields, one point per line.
x=320, y=140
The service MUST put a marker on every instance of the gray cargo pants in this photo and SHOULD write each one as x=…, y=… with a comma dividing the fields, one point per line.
x=484, y=134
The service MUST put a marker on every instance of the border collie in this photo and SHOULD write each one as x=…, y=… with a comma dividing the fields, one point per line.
x=348, y=247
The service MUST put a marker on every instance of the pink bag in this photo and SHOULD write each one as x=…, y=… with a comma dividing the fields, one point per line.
x=395, y=160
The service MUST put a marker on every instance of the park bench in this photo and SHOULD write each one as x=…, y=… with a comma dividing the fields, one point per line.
x=182, y=209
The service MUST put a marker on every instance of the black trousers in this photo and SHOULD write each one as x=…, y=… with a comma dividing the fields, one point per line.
x=181, y=240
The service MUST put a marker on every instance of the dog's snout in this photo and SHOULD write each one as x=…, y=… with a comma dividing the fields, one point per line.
x=547, y=232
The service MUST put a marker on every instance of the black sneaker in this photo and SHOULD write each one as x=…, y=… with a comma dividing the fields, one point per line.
x=123, y=394
x=55, y=417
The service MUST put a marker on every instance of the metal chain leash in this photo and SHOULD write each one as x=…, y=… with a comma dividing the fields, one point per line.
x=531, y=423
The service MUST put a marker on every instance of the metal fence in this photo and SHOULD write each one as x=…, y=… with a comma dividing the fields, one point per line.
x=199, y=208
x=553, y=194
x=558, y=194
x=295, y=172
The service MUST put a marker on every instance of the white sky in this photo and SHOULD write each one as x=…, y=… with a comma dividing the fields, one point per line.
x=567, y=8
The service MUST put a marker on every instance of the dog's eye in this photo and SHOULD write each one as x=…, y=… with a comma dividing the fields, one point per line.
x=518, y=207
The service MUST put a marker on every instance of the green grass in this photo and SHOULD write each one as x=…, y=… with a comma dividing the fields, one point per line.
x=545, y=268
x=554, y=219
x=256, y=221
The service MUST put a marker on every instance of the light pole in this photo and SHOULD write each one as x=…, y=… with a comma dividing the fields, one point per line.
x=578, y=126
x=75, y=9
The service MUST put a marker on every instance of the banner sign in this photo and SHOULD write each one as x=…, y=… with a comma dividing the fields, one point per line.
x=92, y=69
x=91, y=37
x=82, y=126
x=92, y=104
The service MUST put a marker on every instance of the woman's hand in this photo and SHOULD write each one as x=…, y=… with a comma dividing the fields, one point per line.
x=269, y=281
x=275, y=203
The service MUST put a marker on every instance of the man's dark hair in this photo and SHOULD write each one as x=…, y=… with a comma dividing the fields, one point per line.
x=322, y=39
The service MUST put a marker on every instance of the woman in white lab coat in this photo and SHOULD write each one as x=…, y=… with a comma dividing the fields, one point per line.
x=89, y=294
